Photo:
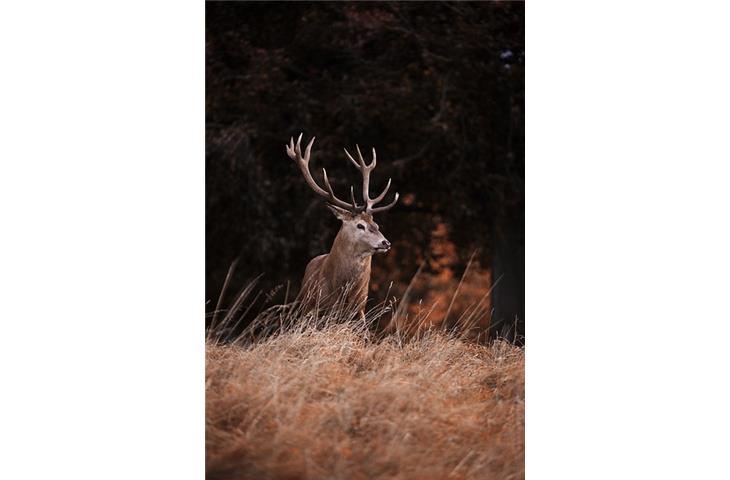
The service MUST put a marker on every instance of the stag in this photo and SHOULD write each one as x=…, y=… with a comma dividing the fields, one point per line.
x=343, y=274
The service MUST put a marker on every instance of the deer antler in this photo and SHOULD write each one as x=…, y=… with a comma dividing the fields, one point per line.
x=365, y=171
x=295, y=153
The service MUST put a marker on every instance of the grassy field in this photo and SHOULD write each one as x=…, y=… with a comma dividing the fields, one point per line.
x=332, y=401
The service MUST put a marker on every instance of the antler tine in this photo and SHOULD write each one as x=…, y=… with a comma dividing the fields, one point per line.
x=380, y=197
x=308, y=150
x=386, y=207
x=365, y=170
x=352, y=196
x=359, y=156
x=295, y=153
x=357, y=165
x=362, y=160
x=331, y=193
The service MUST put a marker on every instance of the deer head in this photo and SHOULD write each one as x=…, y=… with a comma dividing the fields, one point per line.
x=358, y=227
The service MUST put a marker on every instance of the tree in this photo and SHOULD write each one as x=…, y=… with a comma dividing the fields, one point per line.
x=437, y=88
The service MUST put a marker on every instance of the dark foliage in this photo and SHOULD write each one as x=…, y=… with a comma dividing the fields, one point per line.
x=437, y=88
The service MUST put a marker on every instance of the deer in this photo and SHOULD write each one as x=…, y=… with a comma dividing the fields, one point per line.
x=343, y=274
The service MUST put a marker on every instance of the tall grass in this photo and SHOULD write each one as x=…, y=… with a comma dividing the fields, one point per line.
x=303, y=395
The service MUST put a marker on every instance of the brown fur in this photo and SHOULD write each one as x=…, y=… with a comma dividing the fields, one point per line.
x=344, y=270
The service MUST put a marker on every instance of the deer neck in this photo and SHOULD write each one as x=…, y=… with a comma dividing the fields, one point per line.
x=345, y=263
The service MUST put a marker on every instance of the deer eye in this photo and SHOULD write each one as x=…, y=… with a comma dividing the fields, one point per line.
x=361, y=226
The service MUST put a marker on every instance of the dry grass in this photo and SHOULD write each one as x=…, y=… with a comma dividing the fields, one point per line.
x=330, y=401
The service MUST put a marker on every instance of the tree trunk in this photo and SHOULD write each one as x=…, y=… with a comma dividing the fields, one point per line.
x=508, y=297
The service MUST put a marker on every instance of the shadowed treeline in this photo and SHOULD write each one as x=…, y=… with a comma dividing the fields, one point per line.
x=436, y=88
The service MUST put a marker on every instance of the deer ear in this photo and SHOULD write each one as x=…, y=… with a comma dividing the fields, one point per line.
x=340, y=213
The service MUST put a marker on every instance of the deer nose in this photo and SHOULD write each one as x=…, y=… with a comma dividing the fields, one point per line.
x=385, y=243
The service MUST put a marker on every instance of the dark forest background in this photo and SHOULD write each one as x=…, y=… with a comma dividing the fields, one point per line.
x=436, y=88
